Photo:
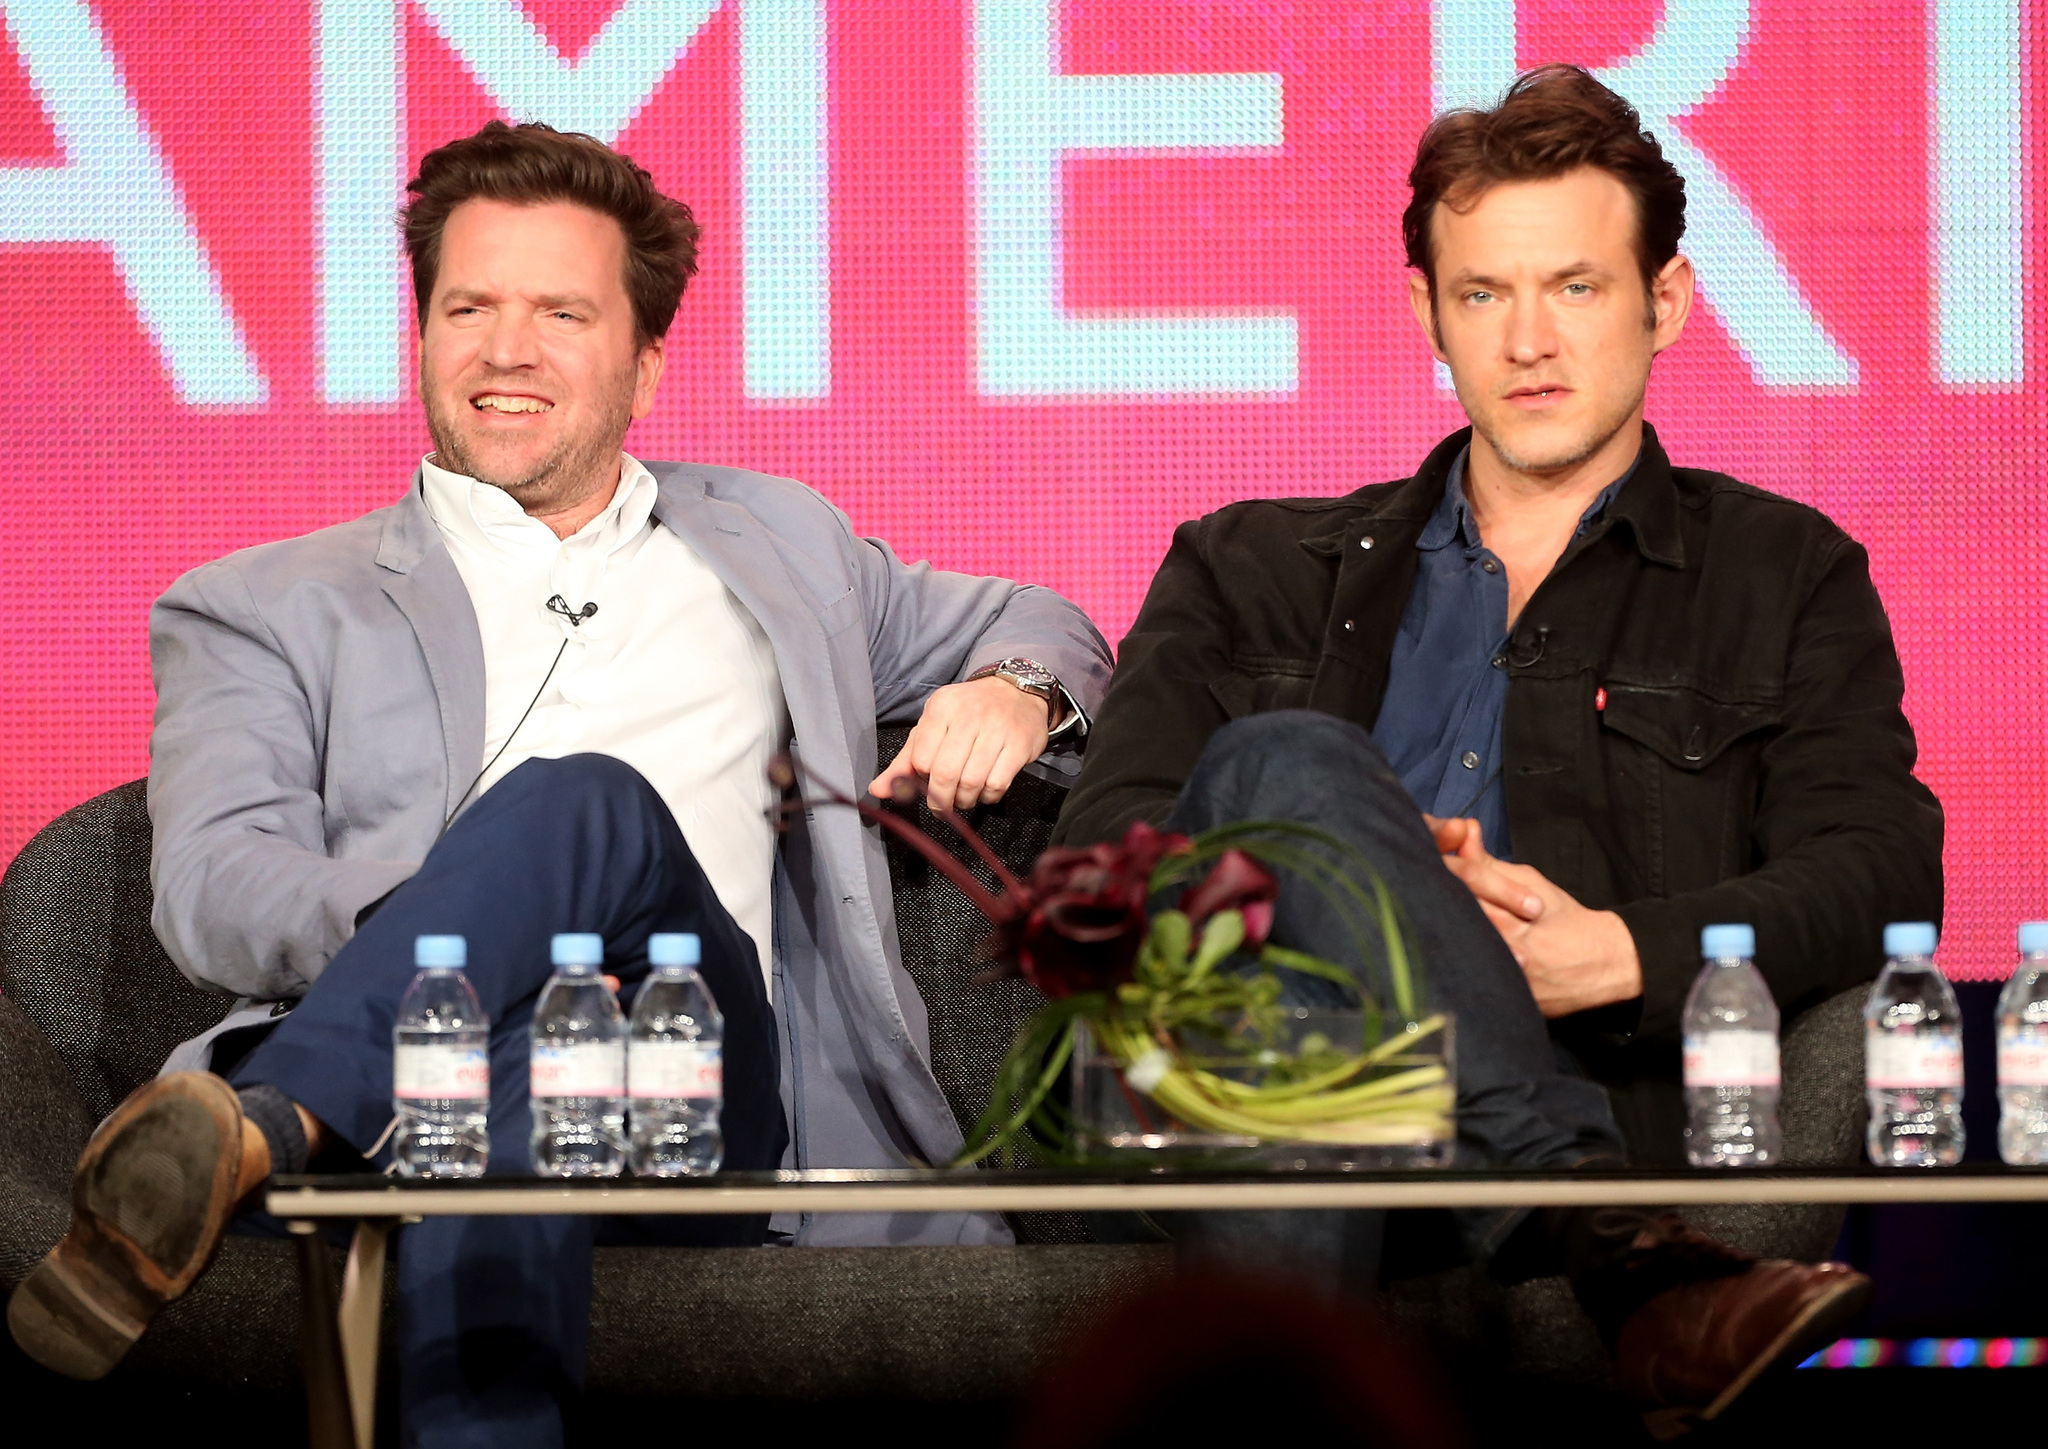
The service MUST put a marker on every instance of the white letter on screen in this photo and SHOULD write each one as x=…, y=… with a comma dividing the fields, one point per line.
x=1979, y=196
x=114, y=190
x=783, y=162
x=785, y=199
x=358, y=111
x=1027, y=117
x=1696, y=45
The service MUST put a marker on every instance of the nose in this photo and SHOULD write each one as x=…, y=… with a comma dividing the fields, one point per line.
x=509, y=341
x=1531, y=333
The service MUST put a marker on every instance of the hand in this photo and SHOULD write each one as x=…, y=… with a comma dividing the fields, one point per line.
x=1574, y=958
x=970, y=743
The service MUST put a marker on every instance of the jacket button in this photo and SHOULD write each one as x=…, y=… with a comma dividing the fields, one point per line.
x=1470, y=759
x=1500, y=661
x=1365, y=542
x=1348, y=626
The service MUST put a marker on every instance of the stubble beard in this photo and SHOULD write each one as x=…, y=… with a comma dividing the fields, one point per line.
x=579, y=464
x=1562, y=456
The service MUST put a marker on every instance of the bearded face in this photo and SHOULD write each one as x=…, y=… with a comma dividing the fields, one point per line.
x=530, y=366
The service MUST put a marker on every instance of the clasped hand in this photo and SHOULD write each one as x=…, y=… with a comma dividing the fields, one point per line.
x=969, y=744
x=1574, y=958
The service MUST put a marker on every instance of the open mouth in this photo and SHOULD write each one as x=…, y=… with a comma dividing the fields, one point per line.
x=508, y=402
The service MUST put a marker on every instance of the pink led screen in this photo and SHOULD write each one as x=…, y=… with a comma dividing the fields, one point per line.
x=1020, y=285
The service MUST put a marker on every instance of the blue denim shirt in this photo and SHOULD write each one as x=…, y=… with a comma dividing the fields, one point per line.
x=1447, y=682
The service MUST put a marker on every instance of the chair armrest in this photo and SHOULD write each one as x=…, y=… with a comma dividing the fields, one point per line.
x=46, y=1129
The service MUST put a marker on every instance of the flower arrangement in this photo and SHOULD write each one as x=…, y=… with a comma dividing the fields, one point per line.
x=1186, y=998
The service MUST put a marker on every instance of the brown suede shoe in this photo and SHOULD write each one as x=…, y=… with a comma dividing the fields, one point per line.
x=154, y=1190
x=1691, y=1350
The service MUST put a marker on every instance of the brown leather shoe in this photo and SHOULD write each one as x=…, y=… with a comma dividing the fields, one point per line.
x=154, y=1191
x=1691, y=1350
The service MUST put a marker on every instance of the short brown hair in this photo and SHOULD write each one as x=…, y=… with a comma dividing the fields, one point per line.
x=530, y=164
x=1553, y=119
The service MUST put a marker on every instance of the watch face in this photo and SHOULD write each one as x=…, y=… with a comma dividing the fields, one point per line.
x=1024, y=671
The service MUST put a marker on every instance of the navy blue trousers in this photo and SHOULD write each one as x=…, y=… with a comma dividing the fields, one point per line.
x=493, y=1313
x=1517, y=1106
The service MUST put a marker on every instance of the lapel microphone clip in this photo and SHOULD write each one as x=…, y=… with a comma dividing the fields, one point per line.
x=560, y=605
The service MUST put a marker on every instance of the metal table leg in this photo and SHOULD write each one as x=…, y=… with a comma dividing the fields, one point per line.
x=329, y=1425
x=362, y=1314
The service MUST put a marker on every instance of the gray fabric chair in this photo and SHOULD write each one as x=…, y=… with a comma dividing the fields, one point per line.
x=90, y=1006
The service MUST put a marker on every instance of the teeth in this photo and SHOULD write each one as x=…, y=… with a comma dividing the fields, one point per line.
x=498, y=403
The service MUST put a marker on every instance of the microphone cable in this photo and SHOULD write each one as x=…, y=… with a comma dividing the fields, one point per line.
x=555, y=605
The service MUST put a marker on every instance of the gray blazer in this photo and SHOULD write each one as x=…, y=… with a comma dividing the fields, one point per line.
x=320, y=709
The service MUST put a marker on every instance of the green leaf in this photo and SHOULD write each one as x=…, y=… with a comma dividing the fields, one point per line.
x=1168, y=939
x=1223, y=934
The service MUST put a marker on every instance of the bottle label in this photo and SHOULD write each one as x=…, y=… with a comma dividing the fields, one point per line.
x=579, y=1069
x=1732, y=1059
x=430, y=1071
x=2023, y=1060
x=1902, y=1059
x=675, y=1069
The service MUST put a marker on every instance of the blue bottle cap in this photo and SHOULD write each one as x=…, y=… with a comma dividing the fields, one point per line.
x=578, y=948
x=440, y=951
x=674, y=948
x=2033, y=938
x=1718, y=943
x=1909, y=938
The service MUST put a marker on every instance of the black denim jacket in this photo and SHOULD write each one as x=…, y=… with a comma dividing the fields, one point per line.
x=1703, y=723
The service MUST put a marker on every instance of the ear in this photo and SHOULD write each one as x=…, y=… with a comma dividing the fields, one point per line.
x=649, y=366
x=1670, y=302
x=1423, y=305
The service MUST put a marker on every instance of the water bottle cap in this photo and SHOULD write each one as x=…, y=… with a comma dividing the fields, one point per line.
x=1909, y=938
x=1718, y=943
x=674, y=948
x=578, y=948
x=440, y=951
x=2033, y=938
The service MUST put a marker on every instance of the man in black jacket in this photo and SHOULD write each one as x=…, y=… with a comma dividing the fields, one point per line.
x=1627, y=700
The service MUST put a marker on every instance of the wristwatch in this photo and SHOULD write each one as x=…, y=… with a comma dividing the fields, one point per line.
x=1034, y=678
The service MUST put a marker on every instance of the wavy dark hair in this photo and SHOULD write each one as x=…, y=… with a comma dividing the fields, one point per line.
x=1553, y=120
x=530, y=164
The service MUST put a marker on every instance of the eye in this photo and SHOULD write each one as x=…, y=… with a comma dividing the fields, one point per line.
x=1578, y=289
x=1479, y=296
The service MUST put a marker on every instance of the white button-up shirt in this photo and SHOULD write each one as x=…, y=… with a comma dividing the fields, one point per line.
x=672, y=674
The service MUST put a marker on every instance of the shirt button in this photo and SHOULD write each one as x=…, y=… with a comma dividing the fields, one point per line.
x=1500, y=661
x=1348, y=626
x=1470, y=759
x=1490, y=566
x=1365, y=542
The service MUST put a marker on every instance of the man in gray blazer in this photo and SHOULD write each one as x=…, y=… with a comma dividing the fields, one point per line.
x=539, y=693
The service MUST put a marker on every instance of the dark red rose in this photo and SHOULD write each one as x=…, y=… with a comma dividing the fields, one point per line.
x=1235, y=883
x=1087, y=916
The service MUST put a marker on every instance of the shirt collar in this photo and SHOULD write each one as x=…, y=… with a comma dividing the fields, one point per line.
x=1452, y=521
x=488, y=518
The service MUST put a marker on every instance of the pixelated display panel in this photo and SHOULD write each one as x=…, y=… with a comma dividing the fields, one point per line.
x=1021, y=285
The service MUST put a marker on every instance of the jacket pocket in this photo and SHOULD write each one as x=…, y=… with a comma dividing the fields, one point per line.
x=841, y=613
x=1687, y=728
x=1681, y=776
x=1258, y=683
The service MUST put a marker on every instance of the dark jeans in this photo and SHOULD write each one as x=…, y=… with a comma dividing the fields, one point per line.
x=1516, y=1107
x=493, y=1312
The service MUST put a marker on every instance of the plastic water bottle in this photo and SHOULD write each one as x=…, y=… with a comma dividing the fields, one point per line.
x=578, y=1067
x=1913, y=1055
x=441, y=1067
x=674, y=1066
x=1731, y=1057
x=2023, y=1054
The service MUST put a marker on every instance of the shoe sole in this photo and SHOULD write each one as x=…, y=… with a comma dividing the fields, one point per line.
x=1816, y=1326
x=152, y=1196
